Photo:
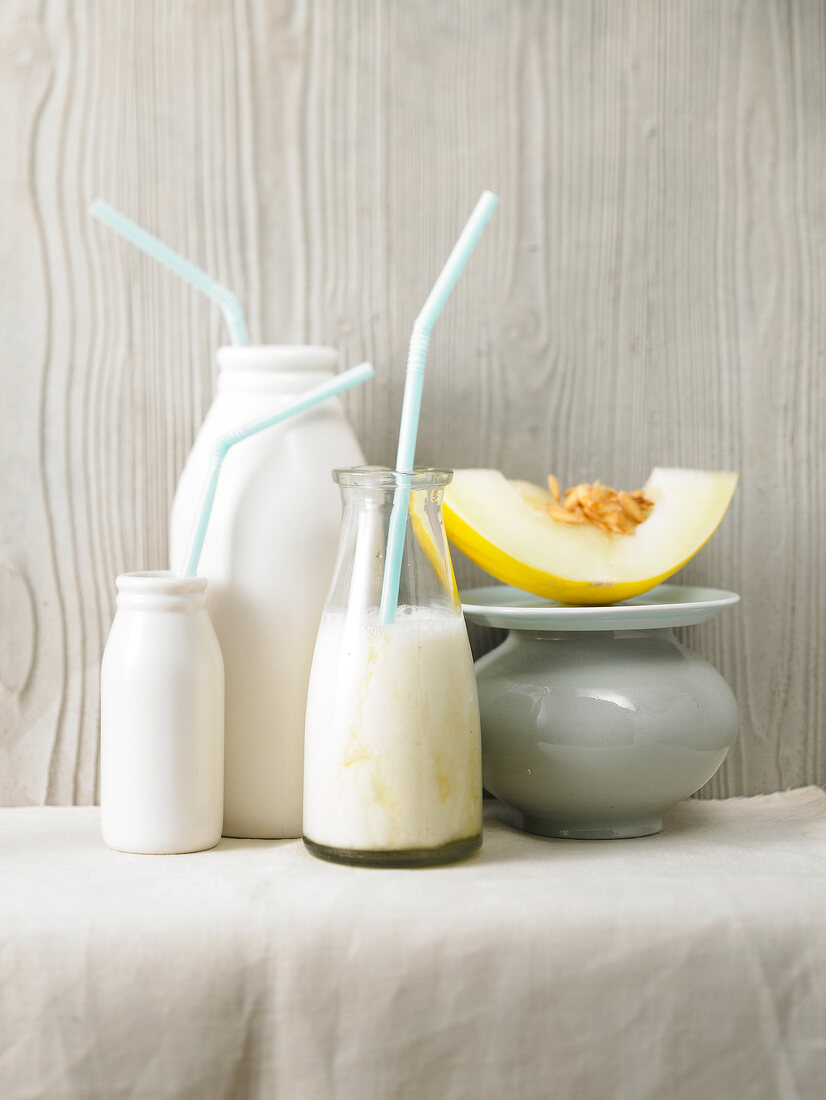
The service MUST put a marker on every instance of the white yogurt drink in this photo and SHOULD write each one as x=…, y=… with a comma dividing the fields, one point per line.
x=392, y=745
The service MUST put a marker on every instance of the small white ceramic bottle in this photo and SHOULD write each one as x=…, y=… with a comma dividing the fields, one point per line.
x=268, y=556
x=162, y=719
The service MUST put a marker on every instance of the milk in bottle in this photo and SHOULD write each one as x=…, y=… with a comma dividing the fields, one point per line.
x=392, y=749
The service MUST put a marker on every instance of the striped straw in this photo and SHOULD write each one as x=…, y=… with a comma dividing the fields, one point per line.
x=344, y=381
x=412, y=403
x=146, y=242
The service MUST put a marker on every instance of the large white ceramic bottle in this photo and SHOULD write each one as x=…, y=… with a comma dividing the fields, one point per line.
x=268, y=556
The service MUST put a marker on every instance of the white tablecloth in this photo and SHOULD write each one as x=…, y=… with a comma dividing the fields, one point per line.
x=689, y=964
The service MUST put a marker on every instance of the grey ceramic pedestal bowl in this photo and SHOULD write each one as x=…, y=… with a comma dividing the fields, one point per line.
x=596, y=719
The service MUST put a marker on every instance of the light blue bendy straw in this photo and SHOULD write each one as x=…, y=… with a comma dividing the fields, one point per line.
x=412, y=403
x=146, y=242
x=344, y=381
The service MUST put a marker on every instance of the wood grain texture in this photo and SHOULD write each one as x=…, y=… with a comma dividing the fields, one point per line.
x=650, y=292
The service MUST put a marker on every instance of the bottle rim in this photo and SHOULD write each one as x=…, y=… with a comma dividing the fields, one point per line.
x=160, y=582
x=383, y=477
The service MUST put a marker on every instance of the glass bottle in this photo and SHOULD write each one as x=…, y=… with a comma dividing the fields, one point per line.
x=392, y=756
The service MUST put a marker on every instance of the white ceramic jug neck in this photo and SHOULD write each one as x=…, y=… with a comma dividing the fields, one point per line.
x=161, y=591
x=281, y=368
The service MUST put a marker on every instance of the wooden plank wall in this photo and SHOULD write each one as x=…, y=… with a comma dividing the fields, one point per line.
x=650, y=292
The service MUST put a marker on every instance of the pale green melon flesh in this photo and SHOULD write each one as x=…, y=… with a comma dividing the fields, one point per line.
x=688, y=506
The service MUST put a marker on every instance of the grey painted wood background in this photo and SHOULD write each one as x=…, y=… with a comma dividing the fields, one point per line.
x=651, y=291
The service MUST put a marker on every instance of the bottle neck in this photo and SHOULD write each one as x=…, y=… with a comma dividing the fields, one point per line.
x=161, y=591
x=371, y=497
x=274, y=368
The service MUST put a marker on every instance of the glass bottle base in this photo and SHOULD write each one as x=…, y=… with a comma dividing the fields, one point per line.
x=402, y=857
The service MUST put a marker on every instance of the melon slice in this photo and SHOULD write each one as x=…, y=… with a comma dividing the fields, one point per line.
x=431, y=543
x=505, y=527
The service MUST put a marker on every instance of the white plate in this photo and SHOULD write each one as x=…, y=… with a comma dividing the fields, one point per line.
x=666, y=605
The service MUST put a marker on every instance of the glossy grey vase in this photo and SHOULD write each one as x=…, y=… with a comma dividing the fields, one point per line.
x=592, y=735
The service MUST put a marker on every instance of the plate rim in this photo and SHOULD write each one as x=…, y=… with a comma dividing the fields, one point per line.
x=723, y=598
